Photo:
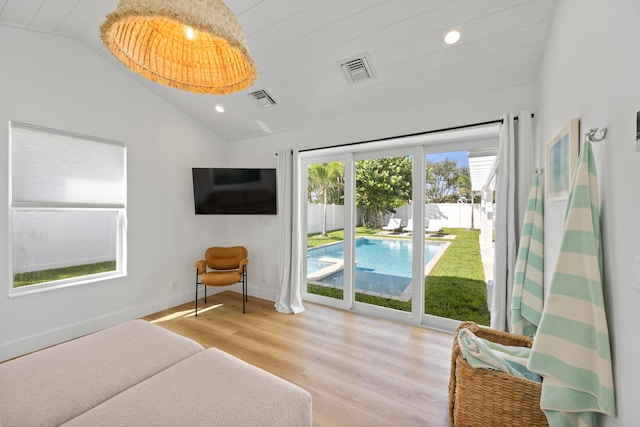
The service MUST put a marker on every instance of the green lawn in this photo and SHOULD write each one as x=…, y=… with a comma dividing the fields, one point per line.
x=31, y=278
x=455, y=288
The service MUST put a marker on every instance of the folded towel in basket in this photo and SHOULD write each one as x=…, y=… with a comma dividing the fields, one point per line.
x=482, y=353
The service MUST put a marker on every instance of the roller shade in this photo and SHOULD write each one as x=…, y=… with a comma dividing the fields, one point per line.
x=50, y=167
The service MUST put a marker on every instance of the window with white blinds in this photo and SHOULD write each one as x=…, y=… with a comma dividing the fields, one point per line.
x=67, y=200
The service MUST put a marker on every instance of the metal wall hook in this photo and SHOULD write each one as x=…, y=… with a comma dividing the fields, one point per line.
x=595, y=134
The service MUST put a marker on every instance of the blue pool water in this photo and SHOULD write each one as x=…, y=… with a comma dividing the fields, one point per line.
x=382, y=265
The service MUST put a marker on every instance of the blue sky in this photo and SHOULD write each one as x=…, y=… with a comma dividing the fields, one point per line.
x=461, y=157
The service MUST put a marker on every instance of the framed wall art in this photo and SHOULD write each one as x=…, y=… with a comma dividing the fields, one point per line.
x=562, y=158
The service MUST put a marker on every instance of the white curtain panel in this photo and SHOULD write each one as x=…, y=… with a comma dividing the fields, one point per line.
x=289, y=299
x=513, y=179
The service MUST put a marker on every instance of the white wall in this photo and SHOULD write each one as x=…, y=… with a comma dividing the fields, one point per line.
x=590, y=71
x=60, y=83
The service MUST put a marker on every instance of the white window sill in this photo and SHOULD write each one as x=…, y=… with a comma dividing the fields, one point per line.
x=61, y=284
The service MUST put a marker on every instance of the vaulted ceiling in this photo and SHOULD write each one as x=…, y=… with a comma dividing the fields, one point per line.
x=298, y=46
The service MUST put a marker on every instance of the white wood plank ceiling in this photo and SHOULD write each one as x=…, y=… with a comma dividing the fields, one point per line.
x=297, y=46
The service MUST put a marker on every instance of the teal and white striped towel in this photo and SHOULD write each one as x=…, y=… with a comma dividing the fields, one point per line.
x=528, y=296
x=571, y=350
x=486, y=354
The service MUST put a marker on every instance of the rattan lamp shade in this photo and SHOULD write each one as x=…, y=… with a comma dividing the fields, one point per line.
x=149, y=37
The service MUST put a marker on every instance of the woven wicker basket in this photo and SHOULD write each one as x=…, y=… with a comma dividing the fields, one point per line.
x=482, y=397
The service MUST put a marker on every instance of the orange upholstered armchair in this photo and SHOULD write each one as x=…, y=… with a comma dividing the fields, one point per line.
x=222, y=267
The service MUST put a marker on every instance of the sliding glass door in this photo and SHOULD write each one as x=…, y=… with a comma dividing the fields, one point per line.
x=384, y=277
x=326, y=218
x=398, y=233
x=458, y=232
x=354, y=259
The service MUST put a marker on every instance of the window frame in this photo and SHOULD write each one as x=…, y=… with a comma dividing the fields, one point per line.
x=17, y=206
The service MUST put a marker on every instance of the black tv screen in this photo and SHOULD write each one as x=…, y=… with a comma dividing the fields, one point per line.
x=226, y=191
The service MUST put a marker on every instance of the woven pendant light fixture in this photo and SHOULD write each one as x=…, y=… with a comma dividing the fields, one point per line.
x=193, y=45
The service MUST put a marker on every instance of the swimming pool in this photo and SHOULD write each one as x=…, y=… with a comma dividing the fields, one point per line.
x=383, y=266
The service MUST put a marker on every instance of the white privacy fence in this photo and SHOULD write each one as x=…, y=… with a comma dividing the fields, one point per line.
x=45, y=240
x=335, y=217
x=453, y=215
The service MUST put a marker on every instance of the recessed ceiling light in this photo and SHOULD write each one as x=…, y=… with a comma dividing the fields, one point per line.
x=452, y=37
x=219, y=109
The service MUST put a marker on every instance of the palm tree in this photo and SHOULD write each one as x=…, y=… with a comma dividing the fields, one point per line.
x=327, y=181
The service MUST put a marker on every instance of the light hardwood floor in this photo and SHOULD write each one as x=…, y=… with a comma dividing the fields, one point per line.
x=360, y=371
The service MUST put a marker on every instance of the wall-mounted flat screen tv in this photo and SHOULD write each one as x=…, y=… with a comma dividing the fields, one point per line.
x=228, y=191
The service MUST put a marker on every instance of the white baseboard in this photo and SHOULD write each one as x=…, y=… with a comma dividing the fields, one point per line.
x=46, y=338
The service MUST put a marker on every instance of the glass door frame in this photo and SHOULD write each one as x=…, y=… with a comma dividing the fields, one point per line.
x=418, y=146
x=349, y=229
x=417, y=253
x=463, y=144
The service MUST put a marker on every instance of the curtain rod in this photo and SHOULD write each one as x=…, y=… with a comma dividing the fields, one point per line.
x=471, y=125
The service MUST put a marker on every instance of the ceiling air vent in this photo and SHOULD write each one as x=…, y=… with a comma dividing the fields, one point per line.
x=262, y=98
x=357, y=69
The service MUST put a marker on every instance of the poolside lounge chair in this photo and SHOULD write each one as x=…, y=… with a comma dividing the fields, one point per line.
x=435, y=226
x=409, y=226
x=393, y=225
